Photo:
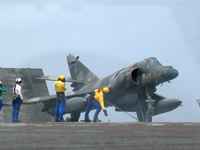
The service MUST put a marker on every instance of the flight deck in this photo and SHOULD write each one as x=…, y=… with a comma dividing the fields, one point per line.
x=98, y=136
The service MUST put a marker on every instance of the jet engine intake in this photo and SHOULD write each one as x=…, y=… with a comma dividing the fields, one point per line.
x=135, y=76
x=138, y=77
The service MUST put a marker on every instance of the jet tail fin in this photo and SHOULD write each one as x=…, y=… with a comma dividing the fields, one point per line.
x=79, y=72
x=55, y=78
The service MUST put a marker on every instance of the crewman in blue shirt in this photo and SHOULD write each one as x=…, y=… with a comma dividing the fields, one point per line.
x=60, y=89
x=2, y=89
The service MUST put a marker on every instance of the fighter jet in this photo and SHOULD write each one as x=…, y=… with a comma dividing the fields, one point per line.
x=132, y=89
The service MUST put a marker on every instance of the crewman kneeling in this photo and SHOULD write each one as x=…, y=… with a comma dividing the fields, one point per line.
x=96, y=100
x=60, y=89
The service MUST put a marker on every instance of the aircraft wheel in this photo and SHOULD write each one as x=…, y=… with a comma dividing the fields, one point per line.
x=75, y=116
x=149, y=116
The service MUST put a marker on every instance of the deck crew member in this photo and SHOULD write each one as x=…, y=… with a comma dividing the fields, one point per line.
x=96, y=100
x=2, y=89
x=17, y=100
x=60, y=89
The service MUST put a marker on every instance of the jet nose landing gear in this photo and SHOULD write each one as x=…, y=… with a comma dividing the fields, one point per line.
x=150, y=110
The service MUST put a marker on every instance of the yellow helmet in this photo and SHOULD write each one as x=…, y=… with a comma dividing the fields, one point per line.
x=62, y=77
x=105, y=89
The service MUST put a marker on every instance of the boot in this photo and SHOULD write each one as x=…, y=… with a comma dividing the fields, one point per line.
x=16, y=121
x=56, y=120
x=96, y=120
x=62, y=120
x=88, y=120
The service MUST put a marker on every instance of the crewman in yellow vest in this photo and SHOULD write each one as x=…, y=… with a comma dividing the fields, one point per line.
x=60, y=89
x=96, y=100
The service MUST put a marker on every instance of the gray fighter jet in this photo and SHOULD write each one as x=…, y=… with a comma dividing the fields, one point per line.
x=132, y=89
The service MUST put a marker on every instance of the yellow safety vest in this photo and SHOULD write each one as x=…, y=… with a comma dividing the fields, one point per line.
x=99, y=97
x=60, y=86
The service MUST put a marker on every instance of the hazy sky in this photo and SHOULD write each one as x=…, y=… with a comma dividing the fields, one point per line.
x=107, y=35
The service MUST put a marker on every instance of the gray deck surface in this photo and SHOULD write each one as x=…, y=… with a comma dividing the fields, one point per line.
x=101, y=136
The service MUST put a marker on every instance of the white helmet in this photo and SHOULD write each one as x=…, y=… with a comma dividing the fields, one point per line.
x=18, y=80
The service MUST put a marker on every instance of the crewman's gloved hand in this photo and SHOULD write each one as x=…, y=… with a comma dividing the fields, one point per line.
x=105, y=112
x=22, y=101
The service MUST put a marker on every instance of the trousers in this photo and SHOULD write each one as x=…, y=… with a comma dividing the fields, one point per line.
x=1, y=102
x=60, y=107
x=16, y=103
x=92, y=103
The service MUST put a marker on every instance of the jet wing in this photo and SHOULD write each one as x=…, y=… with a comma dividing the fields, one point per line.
x=55, y=78
x=50, y=97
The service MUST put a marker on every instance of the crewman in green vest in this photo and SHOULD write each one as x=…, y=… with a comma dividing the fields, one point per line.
x=2, y=89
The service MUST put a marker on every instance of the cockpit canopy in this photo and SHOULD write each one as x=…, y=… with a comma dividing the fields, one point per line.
x=148, y=62
x=152, y=62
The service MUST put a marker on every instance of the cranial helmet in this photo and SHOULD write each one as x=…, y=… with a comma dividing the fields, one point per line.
x=105, y=89
x=18, y=80
x=62, y=78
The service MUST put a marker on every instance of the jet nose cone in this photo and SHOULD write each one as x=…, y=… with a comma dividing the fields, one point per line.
x=172, y=73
